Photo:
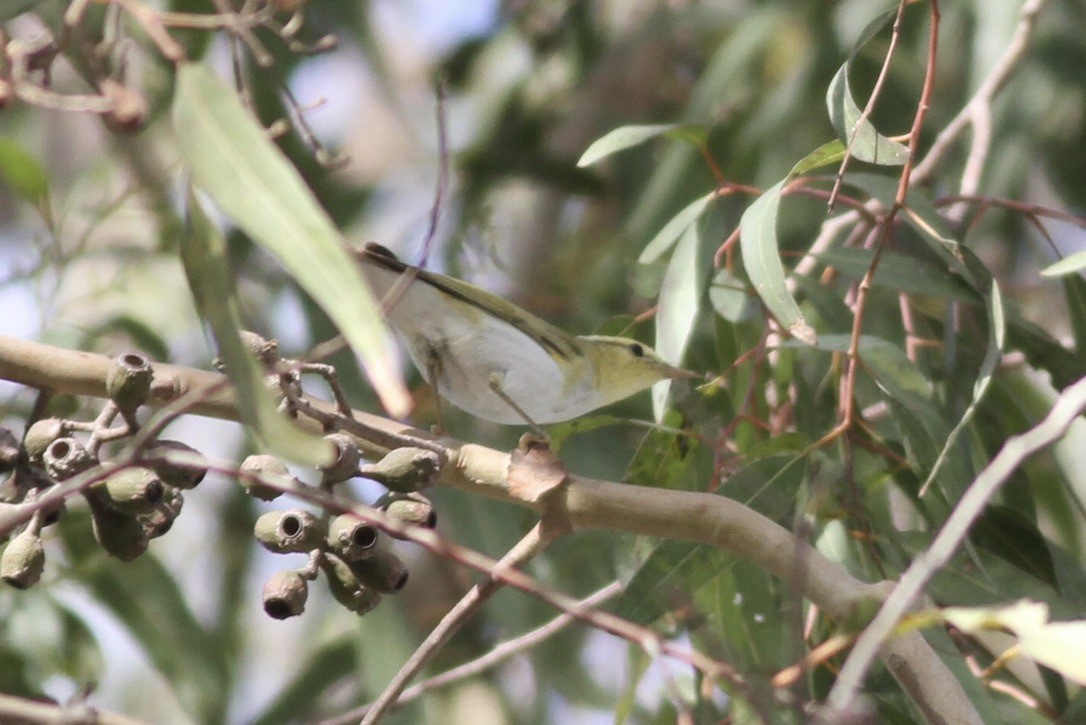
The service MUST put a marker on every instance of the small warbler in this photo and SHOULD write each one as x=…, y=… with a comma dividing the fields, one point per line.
x=497, y=361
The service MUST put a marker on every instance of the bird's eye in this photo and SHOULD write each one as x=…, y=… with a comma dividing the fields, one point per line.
x=636, y=350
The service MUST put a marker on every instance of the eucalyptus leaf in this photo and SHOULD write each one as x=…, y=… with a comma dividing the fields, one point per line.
x=762, y=260
x=626, y=137
x=828, y=153
x=1068, y=265
x=203, y=252
x=669, y=234
x=996, y=341
x=859, y=134
x=677, y=309
x=250, y=179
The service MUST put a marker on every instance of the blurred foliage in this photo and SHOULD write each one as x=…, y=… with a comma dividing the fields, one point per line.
x=964, y=343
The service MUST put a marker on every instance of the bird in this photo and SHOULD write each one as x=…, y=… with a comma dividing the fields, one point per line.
x=497, y=361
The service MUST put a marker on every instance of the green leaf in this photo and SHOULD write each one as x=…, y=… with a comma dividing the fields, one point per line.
x=745, y=615
x=922, y=216
x=233, y=160
x=22, y=172
x=12, y=8
x=203, y=252
x=1074, y=291
x=828, y=153
x=862, y=138
x=983, y=578
x=1068, y=265
x=677, y=309
x=996, y=340
x=626, y=137
x=1043, y=351
x=559, y=433
x=670, y=232
x=729, y=297
x=672, y=572
x=143, y=336
x=762, y=260
x=899, y=272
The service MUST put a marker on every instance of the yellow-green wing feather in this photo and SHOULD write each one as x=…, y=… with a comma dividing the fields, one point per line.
x=546, y=335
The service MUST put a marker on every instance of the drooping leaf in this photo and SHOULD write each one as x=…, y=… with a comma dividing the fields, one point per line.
x=762, y=260
x=901, y=272
x=326, y=665
x=728, y=296
x=233, y=160
x=993, y=353
x=677, y=308
x=921, y=215
x=1074, y=291
x=669, y=234
x=147, y=600
x=862, y=138
x=626, y=137
x=1068, y=265
x=203, y=252
x=828, y=153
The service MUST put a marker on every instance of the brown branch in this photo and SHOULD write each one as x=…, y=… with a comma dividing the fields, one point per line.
x=590, y=504
x=534, y=542
x=22, y=710
x=499, y=653
x=991, y=85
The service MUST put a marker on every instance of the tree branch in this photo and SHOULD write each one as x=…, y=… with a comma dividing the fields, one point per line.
x=589, y=504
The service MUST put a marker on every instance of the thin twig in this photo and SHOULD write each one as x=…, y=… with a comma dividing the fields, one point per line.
x=497, y=654
x=530, y=546
x=986, y=91
x=887, y=224
x=19, y=709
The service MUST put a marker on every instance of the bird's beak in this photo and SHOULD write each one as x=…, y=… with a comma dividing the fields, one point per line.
x=681, y=374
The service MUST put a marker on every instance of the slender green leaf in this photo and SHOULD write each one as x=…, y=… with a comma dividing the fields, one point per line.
x=983, y=578
x=637, y=663
x=677, y=309
x=1068, y=265
x=1074, y=291
x=203, y=252
x=233, y=160
x=923, y=217
x=325, y=666
x=899, y=272
x=670, y=233
x=996, y=340
x=144, y=336
x=11, y=8
x=863, y=139
x=729, y=296
x=668, y=576
x=626, y=137
x=745, y=619
x=828, y=153
x=1042, y=350
x=762, y=260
